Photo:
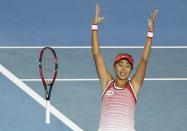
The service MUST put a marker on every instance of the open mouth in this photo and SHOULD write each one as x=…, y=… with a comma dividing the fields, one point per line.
x=122, y=73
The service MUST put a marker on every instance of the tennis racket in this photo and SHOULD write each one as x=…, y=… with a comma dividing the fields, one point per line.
x=48, y=66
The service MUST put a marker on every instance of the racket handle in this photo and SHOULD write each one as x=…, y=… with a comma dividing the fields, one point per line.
x=47, y=117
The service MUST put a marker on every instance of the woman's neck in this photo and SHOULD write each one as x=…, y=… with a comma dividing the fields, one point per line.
x=120, y=83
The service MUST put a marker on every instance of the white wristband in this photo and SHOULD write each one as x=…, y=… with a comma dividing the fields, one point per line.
x=94, y=27
x=150, y=34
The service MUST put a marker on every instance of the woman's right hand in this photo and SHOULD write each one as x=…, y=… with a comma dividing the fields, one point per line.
x=97, y=18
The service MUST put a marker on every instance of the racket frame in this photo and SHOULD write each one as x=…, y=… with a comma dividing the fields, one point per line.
x=50, y=85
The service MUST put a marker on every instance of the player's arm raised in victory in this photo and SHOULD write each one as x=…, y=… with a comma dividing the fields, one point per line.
x=101, y=68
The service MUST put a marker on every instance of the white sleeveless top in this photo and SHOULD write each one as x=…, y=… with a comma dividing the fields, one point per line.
x=118, y=107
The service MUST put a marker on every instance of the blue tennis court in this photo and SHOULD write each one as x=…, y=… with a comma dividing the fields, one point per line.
x=77, y=92
x=27, y=26
x=20, y=112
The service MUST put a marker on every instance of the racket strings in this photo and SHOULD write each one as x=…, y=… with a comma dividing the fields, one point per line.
x=48, y=66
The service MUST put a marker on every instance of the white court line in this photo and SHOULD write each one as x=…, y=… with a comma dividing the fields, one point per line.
x=38, y=98
x=96, y=79
x=165, y=79
x=83, y=79
x=88, y=47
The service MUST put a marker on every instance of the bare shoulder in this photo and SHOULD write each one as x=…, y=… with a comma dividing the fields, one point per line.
x=136, y=87
x=106, y=81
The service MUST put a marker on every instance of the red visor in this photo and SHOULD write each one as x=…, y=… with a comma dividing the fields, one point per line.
x=124, y=56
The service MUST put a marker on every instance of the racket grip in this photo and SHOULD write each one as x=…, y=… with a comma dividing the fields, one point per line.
x=47, y=117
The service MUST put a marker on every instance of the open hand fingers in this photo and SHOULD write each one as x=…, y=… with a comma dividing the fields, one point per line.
x=97, y=18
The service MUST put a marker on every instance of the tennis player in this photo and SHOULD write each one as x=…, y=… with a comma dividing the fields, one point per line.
x=120, y=92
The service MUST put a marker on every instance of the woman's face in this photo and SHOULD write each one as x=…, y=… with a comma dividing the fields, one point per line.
x=123, y=69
